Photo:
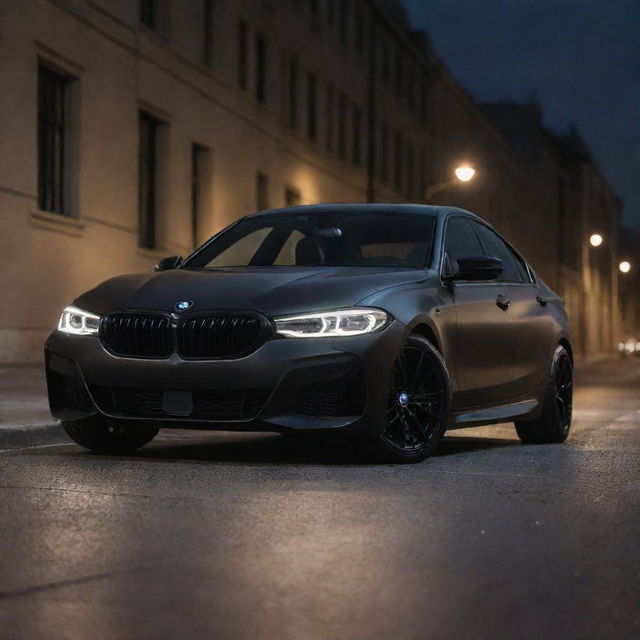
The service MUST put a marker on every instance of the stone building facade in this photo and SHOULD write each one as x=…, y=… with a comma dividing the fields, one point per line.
x=134, y=129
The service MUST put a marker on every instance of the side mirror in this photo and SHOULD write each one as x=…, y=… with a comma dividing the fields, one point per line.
x=172, y=262
x=478, y=268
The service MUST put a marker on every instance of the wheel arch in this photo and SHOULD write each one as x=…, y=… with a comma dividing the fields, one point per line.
x=427, y=332
x=564, y=341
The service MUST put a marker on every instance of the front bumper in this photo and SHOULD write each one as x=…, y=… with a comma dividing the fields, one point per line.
x=287, y=384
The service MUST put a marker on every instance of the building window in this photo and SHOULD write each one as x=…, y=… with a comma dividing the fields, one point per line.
x=329, y=119
x=243, y=41
x=149, y=13
x=344, y=22
x=411, y=90
x=342, y=125
x=207, y=35
x=422, y=178
x=261, y=69
x=312, y=107
x=423, y=101
x=262, y=191
x=385, y=62
x=314, y=6
x=399, y=79
x=292, y=93
x=411, y=161
x=200, y=163
x=148, y=180
x=331, y=12
x=292, y=197
x=397, y=174
x=384, y=153
x=356, y=130
x=53, y=140
x=359, y=27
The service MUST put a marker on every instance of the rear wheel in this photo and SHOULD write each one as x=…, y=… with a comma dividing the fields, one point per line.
x=554, y=423
x=418, y=405
x=100, y=436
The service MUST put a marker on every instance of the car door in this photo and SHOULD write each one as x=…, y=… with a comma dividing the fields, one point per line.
x=483, y=336
x=531, y=322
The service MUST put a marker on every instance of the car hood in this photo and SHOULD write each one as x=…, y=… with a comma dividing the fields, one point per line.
x=271, y=290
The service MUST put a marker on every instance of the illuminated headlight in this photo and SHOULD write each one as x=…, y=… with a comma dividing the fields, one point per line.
x=333, y=324
x=78, y=322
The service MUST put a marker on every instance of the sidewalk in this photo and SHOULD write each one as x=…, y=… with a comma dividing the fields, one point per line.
x=25, y=420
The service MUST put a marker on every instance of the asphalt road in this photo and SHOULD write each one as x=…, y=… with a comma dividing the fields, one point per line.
x=234, y=536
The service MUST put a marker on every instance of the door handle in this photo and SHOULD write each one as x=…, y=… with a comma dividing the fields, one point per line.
x=542, y=301
x=503, y=302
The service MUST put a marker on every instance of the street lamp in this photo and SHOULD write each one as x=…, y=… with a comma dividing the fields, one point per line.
x=463, y=173
x=596, y=240
x=625, y=266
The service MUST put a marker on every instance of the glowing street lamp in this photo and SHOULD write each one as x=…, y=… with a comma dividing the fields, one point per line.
x=625, y=266
x=464, y=173
x=596, y=240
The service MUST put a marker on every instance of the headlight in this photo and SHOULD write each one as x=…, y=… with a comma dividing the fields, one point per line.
x=332, y=324
x=78, y=322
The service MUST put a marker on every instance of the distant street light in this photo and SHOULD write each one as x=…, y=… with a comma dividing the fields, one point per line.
x=625, y=266
x=463, y=173
x=596, y=240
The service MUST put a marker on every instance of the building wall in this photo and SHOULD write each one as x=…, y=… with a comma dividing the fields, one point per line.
x=386, y=78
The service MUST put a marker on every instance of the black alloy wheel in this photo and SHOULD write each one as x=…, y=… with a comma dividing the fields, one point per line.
x=564, y=390
x=418, y=405
x=554, y=423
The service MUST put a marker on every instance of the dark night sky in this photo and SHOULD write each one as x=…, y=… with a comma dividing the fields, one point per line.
x=580, y=58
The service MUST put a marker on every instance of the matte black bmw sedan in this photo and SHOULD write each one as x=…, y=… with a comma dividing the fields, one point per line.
x=388, y=322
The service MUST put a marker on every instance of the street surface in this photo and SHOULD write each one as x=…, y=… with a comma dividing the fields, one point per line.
x=255, y=536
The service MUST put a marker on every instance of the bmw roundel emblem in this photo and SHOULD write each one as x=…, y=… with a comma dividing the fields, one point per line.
x=183, y=305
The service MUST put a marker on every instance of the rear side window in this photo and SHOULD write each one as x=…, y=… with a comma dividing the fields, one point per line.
x=460, y=242
x=493, y=245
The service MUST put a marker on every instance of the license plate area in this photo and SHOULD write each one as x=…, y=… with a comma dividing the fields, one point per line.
x=177, y=403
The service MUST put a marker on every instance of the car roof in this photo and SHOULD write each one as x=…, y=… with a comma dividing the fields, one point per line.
x=381, y=207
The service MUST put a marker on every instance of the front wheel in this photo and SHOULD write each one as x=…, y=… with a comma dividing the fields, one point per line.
x=554, y=422
x=418, y=404
x=100, y=436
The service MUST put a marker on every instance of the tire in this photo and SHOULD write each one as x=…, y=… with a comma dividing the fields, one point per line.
x=418, y=406
x=102, y=437
x=554, y=423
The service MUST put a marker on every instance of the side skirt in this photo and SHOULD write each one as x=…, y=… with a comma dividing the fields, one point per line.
x=522, y=410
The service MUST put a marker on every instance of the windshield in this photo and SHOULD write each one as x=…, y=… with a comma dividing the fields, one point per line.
x=335, y=239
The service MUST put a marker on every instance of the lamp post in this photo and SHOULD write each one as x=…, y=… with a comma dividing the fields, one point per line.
x=463, y=173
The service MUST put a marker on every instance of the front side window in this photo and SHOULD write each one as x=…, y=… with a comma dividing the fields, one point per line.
x=460, y=242
x=493, y=245
x=341, y=239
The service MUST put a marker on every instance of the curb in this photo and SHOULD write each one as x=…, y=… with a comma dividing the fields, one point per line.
x=24, y=436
